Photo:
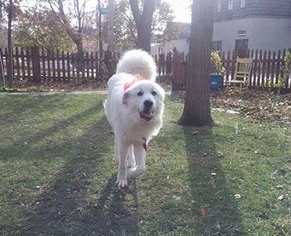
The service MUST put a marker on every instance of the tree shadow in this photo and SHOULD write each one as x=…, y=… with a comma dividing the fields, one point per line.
x=65, y=206
x=215, y=204
x=31, y=103
x=24, y=143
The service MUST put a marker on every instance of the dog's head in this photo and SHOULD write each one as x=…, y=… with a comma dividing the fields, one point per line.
x=145, y=99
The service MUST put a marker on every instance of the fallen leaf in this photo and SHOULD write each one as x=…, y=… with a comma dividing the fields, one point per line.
x=279, y=187
x=202, y=212
x=281, y=198
x=237, y=196
x=221, y=154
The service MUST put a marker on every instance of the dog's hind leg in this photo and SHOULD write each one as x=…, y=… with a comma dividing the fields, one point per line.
x=140, y=168
x=130, y=158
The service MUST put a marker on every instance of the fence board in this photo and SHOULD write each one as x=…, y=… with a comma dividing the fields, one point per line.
x=44, y=66
x=266, y=70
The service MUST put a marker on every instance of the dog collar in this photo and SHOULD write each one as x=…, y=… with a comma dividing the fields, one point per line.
x=129, y=84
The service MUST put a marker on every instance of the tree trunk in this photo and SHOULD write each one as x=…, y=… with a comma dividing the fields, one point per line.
x=76, y=35
x=143, y=22
x=10, y=70
x=2, y=77
x=197, y=98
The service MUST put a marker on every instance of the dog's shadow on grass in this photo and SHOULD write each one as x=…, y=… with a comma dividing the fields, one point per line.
x=113, y=214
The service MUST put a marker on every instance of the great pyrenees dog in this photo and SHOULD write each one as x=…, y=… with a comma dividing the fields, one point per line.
x=134, y=109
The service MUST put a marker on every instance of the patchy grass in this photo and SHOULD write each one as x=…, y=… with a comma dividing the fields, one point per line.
x=58, y=175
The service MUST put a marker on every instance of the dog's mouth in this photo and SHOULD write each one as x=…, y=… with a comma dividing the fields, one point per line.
x=146, y=115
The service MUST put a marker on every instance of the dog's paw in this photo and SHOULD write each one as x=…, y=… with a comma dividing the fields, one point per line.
x=135, y=172
x=122, y=182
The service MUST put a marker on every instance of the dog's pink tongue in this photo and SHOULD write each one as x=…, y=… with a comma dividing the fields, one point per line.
x=147, y=114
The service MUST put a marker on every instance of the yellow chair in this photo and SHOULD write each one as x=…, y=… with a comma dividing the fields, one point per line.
x=243, y=67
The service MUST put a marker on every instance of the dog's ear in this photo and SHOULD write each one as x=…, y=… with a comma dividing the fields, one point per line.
x=125, y=98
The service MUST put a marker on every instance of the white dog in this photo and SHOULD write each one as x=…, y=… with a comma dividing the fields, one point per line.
x=134, y=109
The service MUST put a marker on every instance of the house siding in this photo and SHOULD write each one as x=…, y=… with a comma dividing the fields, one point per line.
x=262, y=33
x=266, y=23
x=278, y=8
x=253, y=8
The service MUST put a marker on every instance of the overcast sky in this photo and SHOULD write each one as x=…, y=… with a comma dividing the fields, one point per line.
x=182, y=9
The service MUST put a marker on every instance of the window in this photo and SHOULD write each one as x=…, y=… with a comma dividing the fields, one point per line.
x=230, y=5
x=218, y=6
x=230, y=9
x=241, y=47
x=217, y=45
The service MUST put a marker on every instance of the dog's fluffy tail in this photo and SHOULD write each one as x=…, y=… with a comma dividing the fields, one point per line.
x=138, y=62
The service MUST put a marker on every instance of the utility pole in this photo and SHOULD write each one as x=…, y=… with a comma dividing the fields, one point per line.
x=110, y=25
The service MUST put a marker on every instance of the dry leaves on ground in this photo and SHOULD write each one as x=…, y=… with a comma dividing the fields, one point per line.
x=256, y=104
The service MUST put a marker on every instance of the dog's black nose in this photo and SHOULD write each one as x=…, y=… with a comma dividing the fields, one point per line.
x=148, y=103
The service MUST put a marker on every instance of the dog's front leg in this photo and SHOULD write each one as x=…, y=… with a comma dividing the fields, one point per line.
x=116, y=150
x=122, y=168
x=140, y=156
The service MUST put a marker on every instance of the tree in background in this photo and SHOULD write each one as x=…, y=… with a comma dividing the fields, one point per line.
x=125, y=28
x=2, y=41
x=73, y=17
x=43, y=30
x=171, y=32
x=197, y=98
x=143, y=16
x=142, y=12
x=49, y=26
x=163, y=27
x=9, y=11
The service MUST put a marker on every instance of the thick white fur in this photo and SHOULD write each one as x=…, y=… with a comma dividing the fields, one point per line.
x=135, y=114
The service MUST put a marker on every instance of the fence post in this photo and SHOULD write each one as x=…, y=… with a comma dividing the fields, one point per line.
x=36, y=76
x=169, y=63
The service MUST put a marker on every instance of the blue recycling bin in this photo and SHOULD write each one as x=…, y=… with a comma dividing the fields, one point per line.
x=216, y=82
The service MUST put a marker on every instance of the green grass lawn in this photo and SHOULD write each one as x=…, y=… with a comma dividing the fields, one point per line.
x=58, y=175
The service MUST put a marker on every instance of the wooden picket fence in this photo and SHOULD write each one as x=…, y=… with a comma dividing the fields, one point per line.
x=41, y=66
x=267, y=68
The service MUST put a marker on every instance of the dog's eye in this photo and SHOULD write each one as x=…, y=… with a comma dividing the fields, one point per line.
x=154, y=93
x=139, y=93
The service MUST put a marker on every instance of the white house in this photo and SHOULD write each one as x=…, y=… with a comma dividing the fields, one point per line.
x=241, y=25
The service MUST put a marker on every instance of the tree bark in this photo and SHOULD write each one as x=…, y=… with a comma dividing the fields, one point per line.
x=143, y=22
x=197, y=98
x=2, y=77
